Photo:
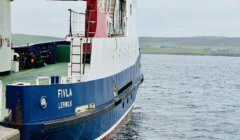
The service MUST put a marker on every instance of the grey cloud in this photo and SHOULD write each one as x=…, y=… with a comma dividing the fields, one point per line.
x=155, y=17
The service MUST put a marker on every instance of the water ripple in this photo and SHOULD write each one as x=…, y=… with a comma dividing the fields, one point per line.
x=186, y=97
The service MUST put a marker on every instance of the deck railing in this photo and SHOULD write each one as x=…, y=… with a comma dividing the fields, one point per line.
x=80, y=23
x=76, y=24
x=43, y=80
x=46, y=80
x=71, y=79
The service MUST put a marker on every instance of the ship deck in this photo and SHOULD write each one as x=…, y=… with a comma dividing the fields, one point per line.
x=29, y=76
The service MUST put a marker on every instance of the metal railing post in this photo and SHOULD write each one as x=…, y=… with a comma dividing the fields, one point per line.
x=75, y=22
x=70, y=23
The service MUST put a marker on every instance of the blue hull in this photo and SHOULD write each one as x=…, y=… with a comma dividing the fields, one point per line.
x=59, y=119
x=91, y=128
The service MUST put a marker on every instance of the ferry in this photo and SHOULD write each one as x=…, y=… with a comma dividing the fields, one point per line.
x=89, y=97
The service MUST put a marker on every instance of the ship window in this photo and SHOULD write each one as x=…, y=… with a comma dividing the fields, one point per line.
x=86, y=58
x=117, y=13
x=123, y=104
x=127, y=100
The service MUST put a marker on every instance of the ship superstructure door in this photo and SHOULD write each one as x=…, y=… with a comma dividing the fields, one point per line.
x=5, y=36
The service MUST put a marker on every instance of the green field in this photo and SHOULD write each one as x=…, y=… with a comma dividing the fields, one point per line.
x=191, y=51
x=217, y=46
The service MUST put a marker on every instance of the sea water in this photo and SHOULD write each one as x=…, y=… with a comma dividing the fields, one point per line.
x=186, y=97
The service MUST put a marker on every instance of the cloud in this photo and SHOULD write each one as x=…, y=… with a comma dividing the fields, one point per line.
x=189, y=17
x=43, y=17
x=155, y=17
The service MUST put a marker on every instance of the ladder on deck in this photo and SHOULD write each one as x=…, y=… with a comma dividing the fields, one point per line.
x=78, y=63
x=76, y=56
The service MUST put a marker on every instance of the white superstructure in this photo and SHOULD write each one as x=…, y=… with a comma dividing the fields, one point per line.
x=5, y=35
x=109, y=55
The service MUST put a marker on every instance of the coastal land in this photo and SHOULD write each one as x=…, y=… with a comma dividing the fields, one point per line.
x=203, y=45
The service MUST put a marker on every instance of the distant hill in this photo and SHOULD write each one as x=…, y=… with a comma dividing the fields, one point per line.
x=204, y=41
x=22, y=39
x=205, y=45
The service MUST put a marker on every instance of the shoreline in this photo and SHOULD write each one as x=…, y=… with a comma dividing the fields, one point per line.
x=192, y=54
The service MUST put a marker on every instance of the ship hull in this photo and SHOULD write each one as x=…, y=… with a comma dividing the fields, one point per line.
x=58, y=121
x=99, y=127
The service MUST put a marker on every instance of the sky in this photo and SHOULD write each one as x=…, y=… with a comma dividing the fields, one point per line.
x=156, y=18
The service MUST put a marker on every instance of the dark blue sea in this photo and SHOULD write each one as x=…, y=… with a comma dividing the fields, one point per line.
x=186, y=98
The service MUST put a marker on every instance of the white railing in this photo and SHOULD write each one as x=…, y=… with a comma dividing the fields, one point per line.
x=71, y=79
x=76, y=24
x=45, y=80
x=41, y=80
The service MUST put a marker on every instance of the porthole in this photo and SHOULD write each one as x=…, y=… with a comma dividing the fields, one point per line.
x=43, y=102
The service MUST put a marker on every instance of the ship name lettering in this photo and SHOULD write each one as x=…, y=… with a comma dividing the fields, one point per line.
x=64, y=93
